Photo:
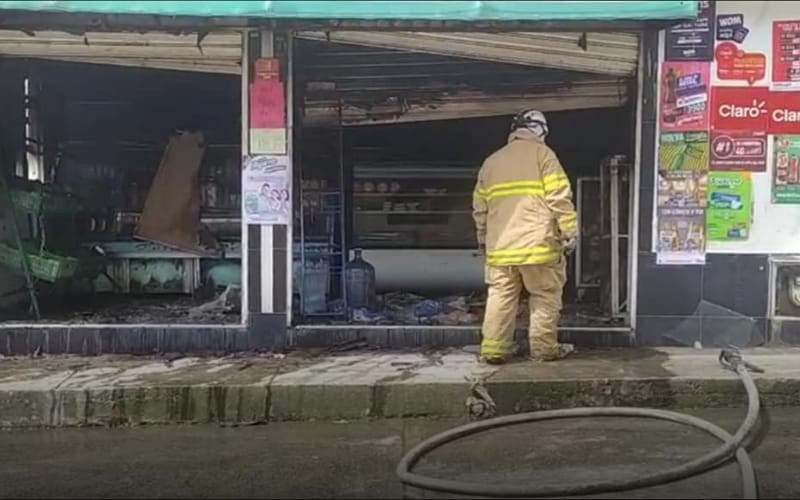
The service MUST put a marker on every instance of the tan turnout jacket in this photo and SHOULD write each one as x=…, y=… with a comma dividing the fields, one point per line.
x=522, y=204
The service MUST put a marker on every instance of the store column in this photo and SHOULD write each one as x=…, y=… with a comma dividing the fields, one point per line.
x=266, y=189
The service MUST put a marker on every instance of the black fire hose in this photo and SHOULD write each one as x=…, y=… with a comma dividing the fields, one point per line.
x=732, y=447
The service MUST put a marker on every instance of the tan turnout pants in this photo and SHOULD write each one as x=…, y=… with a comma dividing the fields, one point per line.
x=544, y=283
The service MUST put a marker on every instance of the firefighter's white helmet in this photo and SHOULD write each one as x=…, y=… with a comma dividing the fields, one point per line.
x=532, y=120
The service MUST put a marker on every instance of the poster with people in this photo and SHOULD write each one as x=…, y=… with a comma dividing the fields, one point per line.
x=266, y=189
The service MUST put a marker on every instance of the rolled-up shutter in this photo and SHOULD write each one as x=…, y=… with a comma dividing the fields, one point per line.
x=614, y=54
x=216, y=52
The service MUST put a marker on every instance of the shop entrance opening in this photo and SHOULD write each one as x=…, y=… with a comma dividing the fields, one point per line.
x=390, y=139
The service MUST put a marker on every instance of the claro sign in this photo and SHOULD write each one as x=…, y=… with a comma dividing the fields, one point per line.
x=755, y=109
x=740, y=108
x=784, y=114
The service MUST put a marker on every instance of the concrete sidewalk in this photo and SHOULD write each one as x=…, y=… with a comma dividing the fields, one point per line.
x=73, y=391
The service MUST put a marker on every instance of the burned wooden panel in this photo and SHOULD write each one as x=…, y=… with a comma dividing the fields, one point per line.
x=171, y=214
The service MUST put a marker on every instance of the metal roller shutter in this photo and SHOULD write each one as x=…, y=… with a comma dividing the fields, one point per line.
x=216, y=52
x=585, y=95
x=613, y=54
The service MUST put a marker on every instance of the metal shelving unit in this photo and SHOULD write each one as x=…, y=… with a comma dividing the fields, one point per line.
x=401, y=205
x=322, y=249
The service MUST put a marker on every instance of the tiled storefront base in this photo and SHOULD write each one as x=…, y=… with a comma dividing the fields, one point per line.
x=401, y=337
x=723, y=302
x=265, y=331
x=785, y=332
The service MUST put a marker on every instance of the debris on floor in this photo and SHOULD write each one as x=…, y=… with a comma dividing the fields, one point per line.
x=132, y=309
x=408, y=308
x=404, y=308
x=228, y=301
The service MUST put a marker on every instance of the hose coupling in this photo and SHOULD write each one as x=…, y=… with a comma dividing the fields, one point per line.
x=731, y=359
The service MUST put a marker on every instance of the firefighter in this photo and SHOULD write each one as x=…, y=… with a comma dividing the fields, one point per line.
x=525, y=222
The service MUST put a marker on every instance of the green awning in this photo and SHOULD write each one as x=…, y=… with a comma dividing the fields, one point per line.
x=455, y=10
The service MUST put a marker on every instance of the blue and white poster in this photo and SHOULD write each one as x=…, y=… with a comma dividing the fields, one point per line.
x=266, y=189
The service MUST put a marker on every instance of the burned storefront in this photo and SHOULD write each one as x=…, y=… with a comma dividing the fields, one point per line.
x=133, y=128
x=121, y=159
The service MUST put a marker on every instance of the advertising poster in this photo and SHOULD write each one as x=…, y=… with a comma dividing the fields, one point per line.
x=786, y=55
x=730, y=206
x=740, y=151
x=740, y=108
x=684, y=96
x=683, y=151
x=266, y=189
x=267, y=117
x=784, y=115
x=693, y=40
x=681, y=236
x=786, y=170
x=267, y=104
x=682, y=189
x=731, y=28
x=267, y=69
x=735, y=64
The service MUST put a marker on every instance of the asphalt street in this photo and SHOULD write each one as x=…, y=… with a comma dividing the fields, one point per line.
x=357, y=459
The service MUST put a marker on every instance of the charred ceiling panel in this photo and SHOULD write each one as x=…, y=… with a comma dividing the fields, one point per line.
x=217, y=52
x=613, y=54
x=390, y=86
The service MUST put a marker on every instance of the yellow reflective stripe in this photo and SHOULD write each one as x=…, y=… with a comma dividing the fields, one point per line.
x=524, y=259
x=555, y=186
x=496, y=347
x=554, y=177
x=515, y=192
x=568, y=221
x=522, y=251
x=554, y=182
x=568, y=217
x=479, y=195
x=536, y=255
x=501, y=186
x=494, y=352
x=496, y=343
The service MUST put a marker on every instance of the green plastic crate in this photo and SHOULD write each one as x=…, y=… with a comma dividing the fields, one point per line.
x=37, y=200
x=45, y=266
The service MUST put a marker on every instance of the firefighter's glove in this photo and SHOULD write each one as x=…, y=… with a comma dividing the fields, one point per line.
x=569, y=245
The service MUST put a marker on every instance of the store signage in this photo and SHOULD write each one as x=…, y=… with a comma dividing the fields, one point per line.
x=736, y=150
x=740, y=108
x=693, y=41
x=784, y=116
x=736, y=64
x=730, y=27
x=786, y=55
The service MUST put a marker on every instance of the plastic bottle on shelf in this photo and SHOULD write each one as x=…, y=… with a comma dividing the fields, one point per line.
x=360, y=282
